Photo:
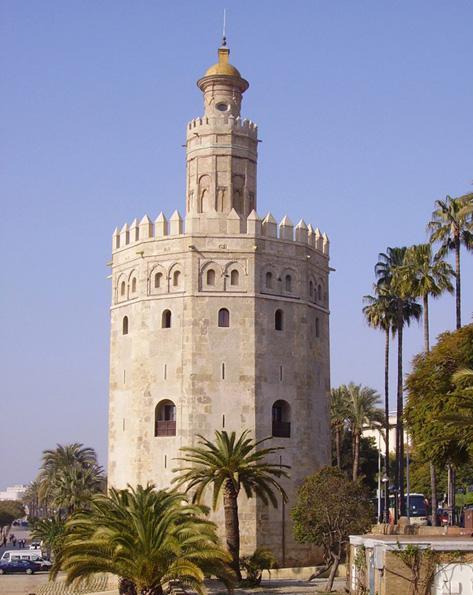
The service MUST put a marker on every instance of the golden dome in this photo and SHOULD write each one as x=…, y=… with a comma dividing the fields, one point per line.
x=223, y=67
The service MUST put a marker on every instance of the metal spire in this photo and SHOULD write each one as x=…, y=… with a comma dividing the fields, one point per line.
x=224, y=37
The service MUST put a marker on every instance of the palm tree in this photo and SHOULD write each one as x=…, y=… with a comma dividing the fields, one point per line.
x=146, y=537
x=362, y=412
x=51, y=533
x=429, y=276
x=230, y=464
x=452, y=226
x=69, y=475
x=380, y=313
x=338, y=417
x=391, y=273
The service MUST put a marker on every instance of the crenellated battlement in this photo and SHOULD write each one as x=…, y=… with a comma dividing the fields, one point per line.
x=223, y=123
x=233, y=225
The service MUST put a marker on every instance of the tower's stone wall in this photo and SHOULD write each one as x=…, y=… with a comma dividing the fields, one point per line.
x=218, y=322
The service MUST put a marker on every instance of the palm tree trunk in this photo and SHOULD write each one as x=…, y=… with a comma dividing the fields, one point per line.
x=337, y=447
x=386, y=422
x=356, y=455
x=458, y=282
x=399, y=419
x=433, y=476
x=426, y=323
x=433, y=490
x=232, y=525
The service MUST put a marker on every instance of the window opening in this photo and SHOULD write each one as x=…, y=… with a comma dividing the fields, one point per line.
x=223, y=317
x=210, y=277
x=166, y=319
x=279, y=320
x=125, y=325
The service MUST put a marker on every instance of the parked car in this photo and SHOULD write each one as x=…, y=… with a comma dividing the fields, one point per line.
x=24, y=566
x=43, y=564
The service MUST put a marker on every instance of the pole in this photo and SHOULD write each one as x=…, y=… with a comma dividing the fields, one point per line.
x=379, y=476
x=408, y=484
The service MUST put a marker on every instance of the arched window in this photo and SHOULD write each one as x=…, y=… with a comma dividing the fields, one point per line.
x=166, y=319
x=281, y=415
x=223, y=317
x=133, y=285
x=122, y=288
x=165, y=419
x=279, y=320
x=288, y=283
x=311, y=289
x=176, y=278
x=158, y=278
x=125, y=325
x=317, y=327
x=269, y=280
x=234, y=277
x=210, y=277
x=319, y=293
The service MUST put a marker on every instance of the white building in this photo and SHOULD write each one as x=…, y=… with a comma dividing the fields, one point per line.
x=15, y=492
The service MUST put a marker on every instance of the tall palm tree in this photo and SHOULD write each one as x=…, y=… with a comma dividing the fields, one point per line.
x=362, y=412
x=229, y=464
x=452, y=226
x=338, y=417
x=380, y=313
x=146, y=537
x=429, y=276
x=391, y=273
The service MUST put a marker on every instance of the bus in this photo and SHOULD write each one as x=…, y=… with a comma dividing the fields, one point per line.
x=417, y=509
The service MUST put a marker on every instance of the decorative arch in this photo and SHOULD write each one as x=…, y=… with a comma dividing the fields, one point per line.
x=165, y=418
x=157, y=280
x=289, y=282
x=269, y=279
x=211, y=281
x=235, y=276
x=121, y=290
x=176, y=278
x=281, y=419
x=204, y=194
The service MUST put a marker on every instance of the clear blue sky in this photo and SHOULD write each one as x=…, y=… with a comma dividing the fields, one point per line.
x=365, y=111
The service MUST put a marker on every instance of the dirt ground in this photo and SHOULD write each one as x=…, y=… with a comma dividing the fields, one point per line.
x=22, y=584
x=19, y=584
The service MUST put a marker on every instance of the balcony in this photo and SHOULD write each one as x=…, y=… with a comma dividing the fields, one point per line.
x=165, y=428
x=282, y=429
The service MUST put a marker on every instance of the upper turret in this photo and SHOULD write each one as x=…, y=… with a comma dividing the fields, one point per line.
x=222, y=86
x=221, y=149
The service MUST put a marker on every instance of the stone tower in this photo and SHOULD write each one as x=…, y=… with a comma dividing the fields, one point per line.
x=220, y=321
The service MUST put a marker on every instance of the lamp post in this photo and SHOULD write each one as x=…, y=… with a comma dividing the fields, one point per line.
x=385, y=480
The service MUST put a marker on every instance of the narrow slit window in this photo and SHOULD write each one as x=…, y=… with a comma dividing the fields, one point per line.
x=223, y=317
x=234, y=277
x=125, y=325
x=319, y=293
x=223, y=371
x=279, y=320
x=166, y=319
x=317, y=327
x=280, y=373
x=223, y=420
x=211, y=277
x=165, y=371
x=269, y=280
x=288, y=283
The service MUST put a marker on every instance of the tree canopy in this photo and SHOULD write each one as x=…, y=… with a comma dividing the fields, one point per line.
x=9, y=511
x=433, y=395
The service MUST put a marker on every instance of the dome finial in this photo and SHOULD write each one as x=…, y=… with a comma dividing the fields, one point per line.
x=224, y=35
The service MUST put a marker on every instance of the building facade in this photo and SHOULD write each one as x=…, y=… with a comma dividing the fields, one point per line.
x=220, y=321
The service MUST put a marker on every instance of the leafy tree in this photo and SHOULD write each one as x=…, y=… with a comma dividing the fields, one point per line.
x=463, y=380
x=261, y=559
x=390, y=271
x=452, y=226
x=329, y=508
x=228, y=465
x=147, y=537
x=10, y=510
x=433, y=395
x=368, y=460
x=380, y=313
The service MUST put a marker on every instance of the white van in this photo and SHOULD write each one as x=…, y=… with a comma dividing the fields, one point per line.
x=32, y=555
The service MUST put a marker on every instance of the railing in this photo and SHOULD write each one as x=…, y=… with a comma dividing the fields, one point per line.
x=282, y=429
x=165, y=428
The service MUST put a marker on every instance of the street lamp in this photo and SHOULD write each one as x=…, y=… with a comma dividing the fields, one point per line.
x=385, y=480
